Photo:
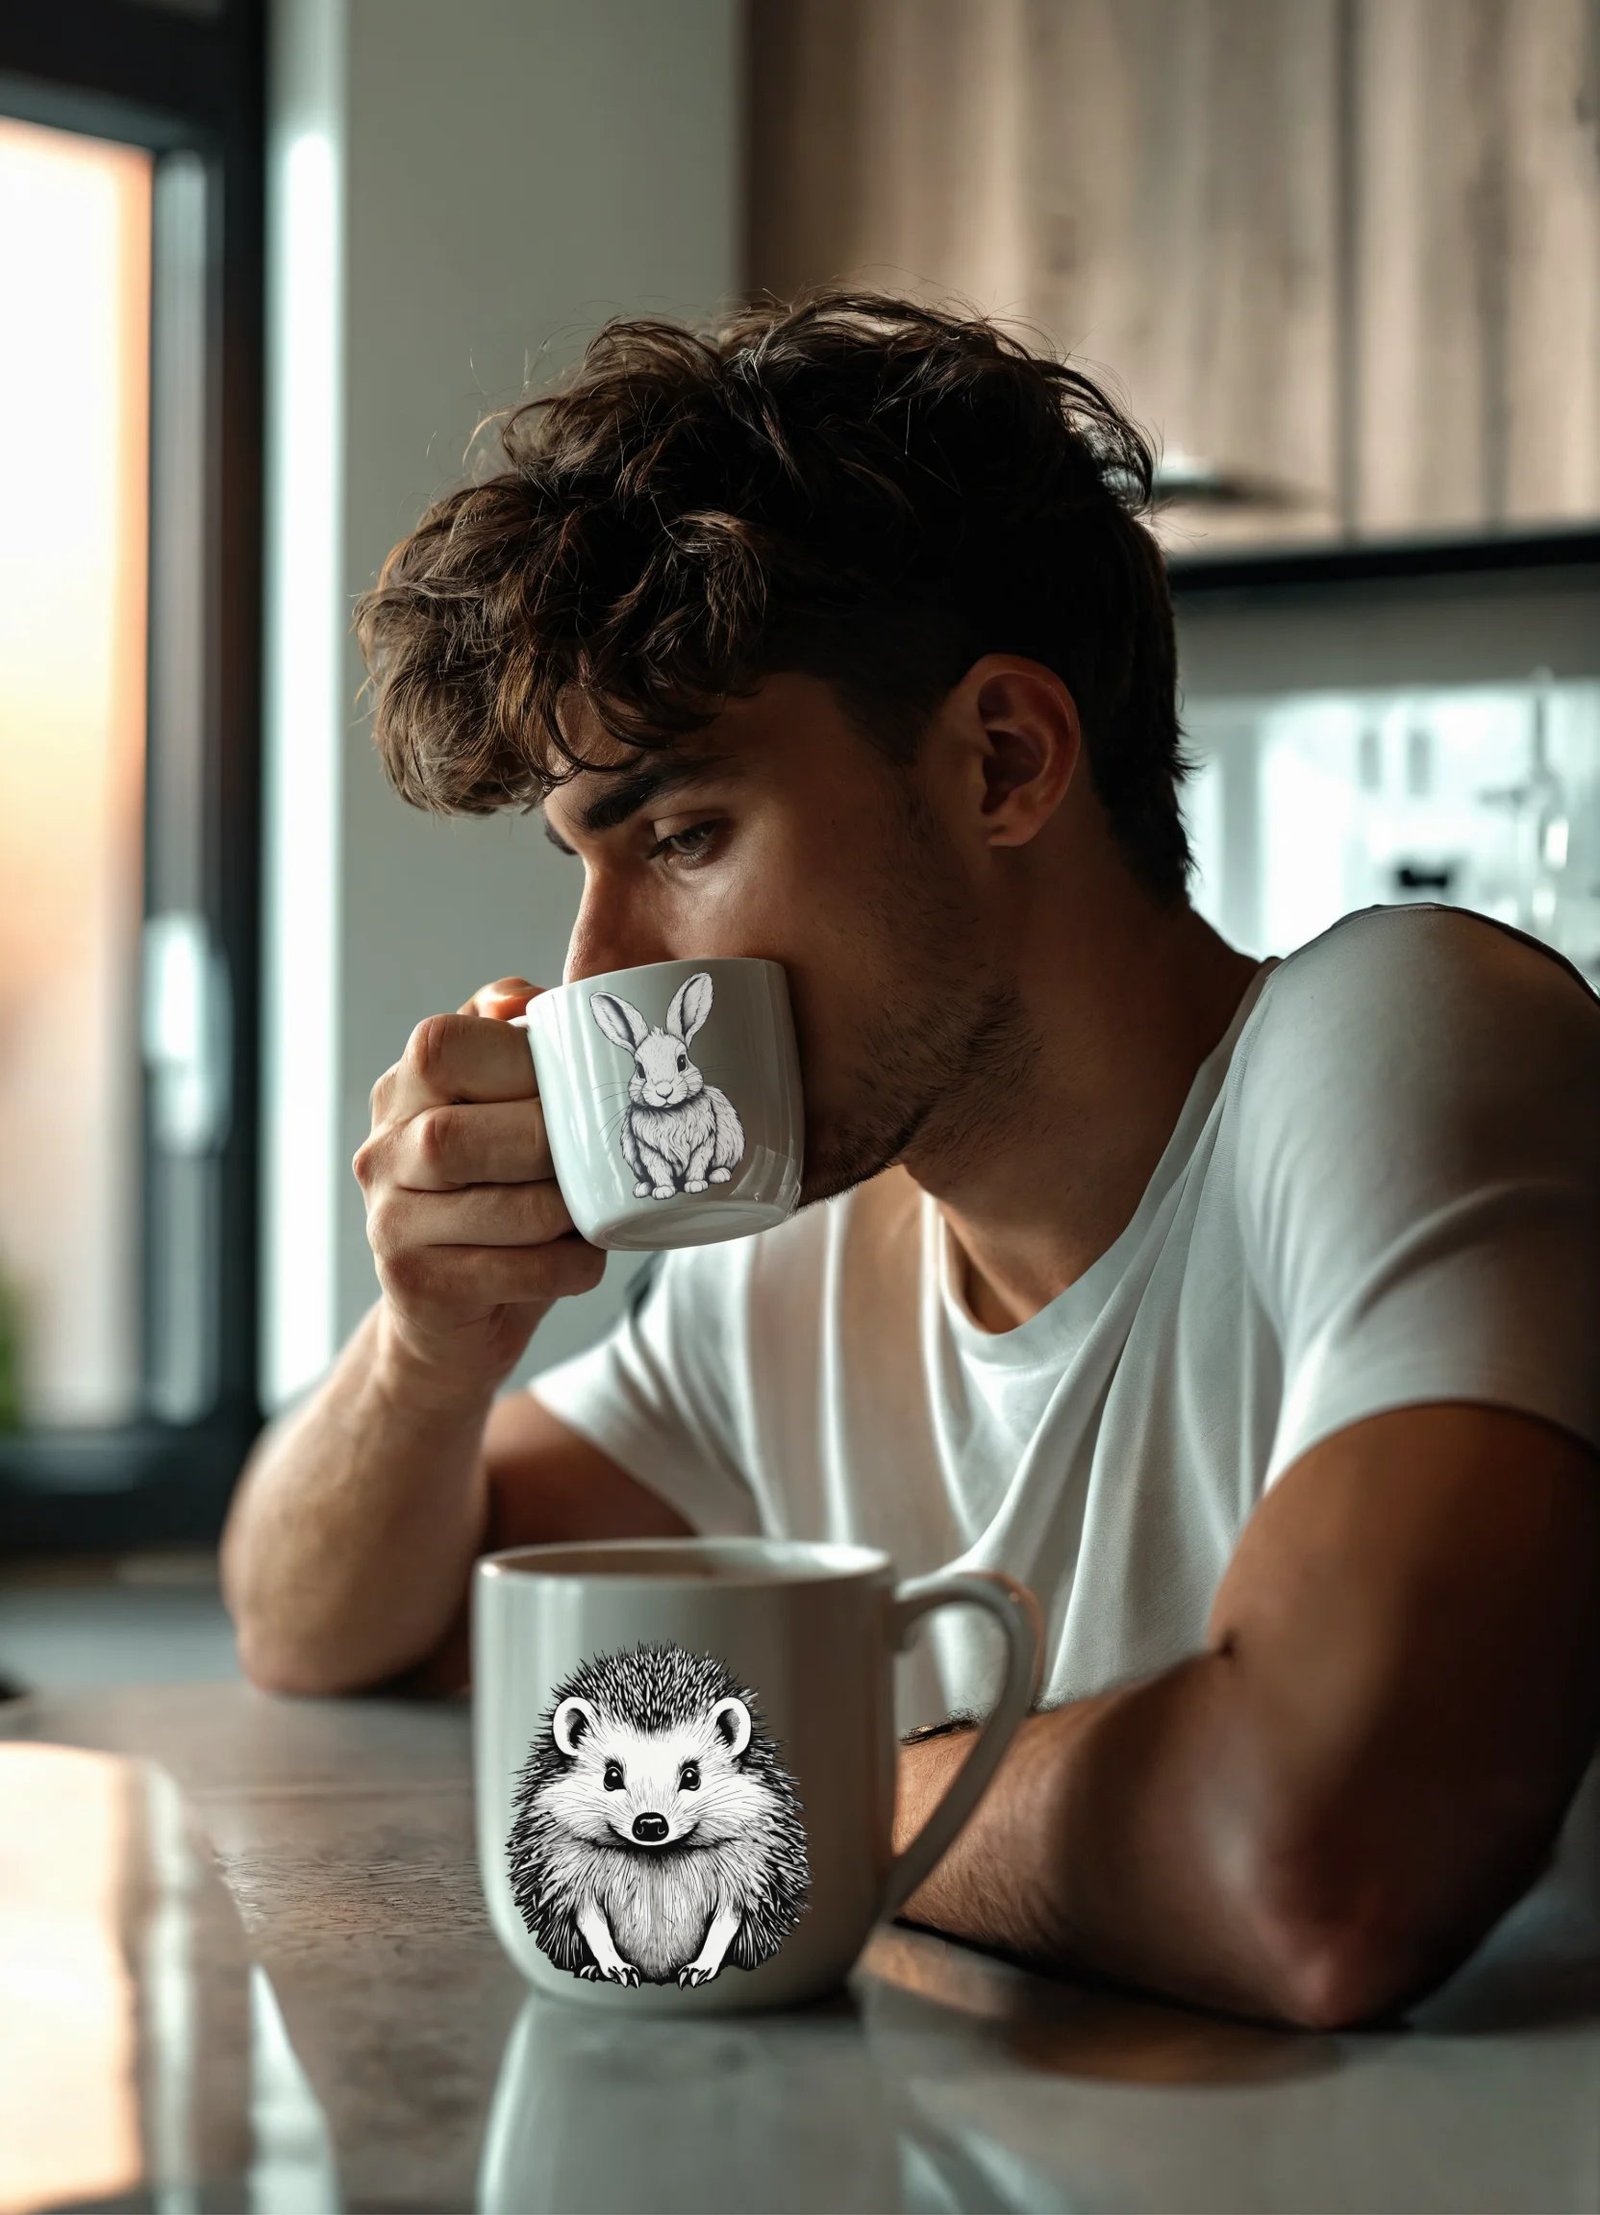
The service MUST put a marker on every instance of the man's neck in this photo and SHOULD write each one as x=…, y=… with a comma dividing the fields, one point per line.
x=1069, y=1156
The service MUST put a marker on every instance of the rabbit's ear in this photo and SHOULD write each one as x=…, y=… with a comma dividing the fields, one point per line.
x=691, y=1004
x=621, y=1022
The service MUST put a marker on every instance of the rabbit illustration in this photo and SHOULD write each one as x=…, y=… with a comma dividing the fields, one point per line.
x=679, y=1133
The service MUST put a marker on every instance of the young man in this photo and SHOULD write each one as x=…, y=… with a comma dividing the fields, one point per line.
x=1246, y=1310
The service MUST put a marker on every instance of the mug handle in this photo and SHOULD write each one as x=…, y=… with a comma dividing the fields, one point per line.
x=1016, y=1610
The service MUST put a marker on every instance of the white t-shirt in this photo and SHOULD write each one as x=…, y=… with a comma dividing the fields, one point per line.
x=1382, y=1188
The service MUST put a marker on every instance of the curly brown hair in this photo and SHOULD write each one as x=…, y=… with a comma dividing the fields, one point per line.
x=848, y=484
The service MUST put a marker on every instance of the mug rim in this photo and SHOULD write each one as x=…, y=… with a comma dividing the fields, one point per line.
x=823, y=1561
x=604, y=978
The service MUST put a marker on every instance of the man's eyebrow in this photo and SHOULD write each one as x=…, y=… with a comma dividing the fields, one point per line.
x=630, y=792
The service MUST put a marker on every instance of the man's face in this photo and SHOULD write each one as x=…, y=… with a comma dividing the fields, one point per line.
x=804, y=846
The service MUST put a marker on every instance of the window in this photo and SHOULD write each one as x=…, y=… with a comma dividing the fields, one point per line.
x=74, y=459
x=130, y=259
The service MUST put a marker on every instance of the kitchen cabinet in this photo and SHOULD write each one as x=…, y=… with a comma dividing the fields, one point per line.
x=1475, y=264
x=1183, y=204
x=1342, y=256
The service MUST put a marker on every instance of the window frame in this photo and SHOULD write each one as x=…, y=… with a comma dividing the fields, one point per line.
x=190, y=88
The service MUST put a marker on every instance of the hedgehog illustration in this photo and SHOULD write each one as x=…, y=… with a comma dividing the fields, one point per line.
x=678, y=1132
x=656, y=1835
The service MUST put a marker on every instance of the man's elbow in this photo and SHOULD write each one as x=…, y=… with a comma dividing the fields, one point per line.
x=1334, y=1954
x=297, y=1670
x=1351, y=1954
x=1339, y=1981
x=272, y=1666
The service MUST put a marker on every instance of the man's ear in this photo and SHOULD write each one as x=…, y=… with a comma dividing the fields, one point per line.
x=1031, y=741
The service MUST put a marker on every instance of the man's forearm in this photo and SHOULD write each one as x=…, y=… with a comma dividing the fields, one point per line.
x=354, y=1526
x=1118, y=1836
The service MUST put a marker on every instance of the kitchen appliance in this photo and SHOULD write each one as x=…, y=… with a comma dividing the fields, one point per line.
x=1487, y=797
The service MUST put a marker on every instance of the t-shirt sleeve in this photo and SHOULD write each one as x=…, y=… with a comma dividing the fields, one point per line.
x=1419, y=1176
x=655, y=1393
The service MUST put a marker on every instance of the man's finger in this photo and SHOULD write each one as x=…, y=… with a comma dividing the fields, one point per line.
x=497, y=1142
x=455, y=1057
x=506, y=995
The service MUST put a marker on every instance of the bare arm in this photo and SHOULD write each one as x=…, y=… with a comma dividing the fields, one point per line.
x=543, y=1483
x=352, y=1528
x=1323, y=1814
x=362, y=1513
x=352, y=1532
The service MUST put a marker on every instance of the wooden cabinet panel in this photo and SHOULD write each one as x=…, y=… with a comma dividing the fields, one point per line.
x=1151, y=183
x=1475, y=268
x=885, y=142
x=1552, y=87
x=1182, y=170
x=1342, y=254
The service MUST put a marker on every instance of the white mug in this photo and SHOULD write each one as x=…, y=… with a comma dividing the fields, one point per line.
x=671, y=1097
x=685, y=1754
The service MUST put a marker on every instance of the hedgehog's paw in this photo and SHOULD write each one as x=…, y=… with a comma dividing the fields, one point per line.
x=590, y=1969
x=641, y=1188
x=695, y=1972
x=695, y=1184
x=720, y=1176
x=663, y=1191
x=623, y=1972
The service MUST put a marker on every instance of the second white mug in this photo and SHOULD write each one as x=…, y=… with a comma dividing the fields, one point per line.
x=685, y=1761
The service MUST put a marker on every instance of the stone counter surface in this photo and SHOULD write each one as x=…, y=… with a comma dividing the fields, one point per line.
x=318, y=2016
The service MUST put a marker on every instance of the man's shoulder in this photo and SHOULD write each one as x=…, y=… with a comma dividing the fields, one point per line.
x=1380, y=953
x=1382, y=981
x=1418, y=1003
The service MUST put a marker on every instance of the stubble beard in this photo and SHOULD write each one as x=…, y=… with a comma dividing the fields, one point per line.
x=952, y=1045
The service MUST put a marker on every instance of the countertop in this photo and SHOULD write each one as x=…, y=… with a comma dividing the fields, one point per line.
x=263, y=1978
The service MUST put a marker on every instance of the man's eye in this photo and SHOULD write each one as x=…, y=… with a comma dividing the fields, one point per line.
x=685, y=846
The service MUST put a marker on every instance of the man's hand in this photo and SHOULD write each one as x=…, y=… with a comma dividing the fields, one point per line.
x=1321, y=1816
x=472, y=1238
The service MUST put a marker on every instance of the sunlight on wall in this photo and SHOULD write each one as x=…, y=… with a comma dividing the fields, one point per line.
x=302, y=790
x=74, y=452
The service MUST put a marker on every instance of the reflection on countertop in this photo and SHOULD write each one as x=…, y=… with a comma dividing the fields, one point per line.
x=244, y=1963
x=142, y=2053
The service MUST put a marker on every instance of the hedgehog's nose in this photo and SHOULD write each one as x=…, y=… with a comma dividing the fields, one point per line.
x=650, y=1827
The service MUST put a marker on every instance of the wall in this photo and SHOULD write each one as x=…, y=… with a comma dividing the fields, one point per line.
x=459, y=195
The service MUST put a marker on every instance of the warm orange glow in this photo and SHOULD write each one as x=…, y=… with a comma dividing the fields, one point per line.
x=69, y=2107
x=75, y=240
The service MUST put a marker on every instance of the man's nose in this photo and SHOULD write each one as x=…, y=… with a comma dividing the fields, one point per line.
x=596, y=947
x=603, y=962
